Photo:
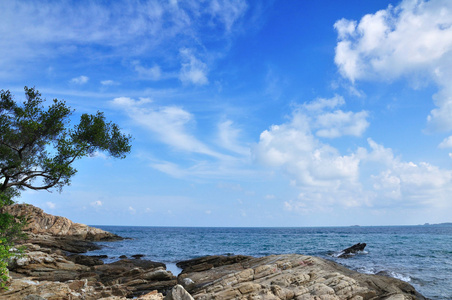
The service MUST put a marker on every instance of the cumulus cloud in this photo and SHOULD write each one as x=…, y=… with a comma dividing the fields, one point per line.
x=339, y=123
x=294, y=148
x=80, y=80
x=321, y=104
x=412, y=184
x=192, y=70
x=411, y=40
x=330, y=122
x=370, y=176
x=446, y=143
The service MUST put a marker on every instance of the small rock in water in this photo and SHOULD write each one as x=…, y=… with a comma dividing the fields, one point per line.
x=138, y=256
x=346, y=253
x=123, y=257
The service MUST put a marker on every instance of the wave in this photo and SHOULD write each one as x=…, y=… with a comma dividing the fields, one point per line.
x=387, y=273
x=339, y=254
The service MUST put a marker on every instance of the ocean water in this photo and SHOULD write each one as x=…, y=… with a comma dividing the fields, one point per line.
x=420, y=255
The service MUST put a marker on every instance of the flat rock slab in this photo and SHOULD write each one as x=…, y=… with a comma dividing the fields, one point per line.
x=292, y=276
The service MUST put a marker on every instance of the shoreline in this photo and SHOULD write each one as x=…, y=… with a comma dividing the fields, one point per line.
x=48, y=267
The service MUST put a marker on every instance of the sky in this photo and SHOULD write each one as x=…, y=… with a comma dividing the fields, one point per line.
x=247, y=113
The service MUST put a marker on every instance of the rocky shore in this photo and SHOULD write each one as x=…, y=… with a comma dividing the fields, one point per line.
x=53, y=267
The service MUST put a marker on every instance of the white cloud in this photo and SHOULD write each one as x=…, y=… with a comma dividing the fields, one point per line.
x=222, y=156
x=132, y=210
x=321, y=104
x=340, y=123
x=80, y=80
x=371, y=176
x=109, y=82
x=50, y=205
x=98, y=154
x=228, y=138
x=228, y=11
x=33, y=30
x=96, y=203
x=446, y=143
x=193, y=70
x=330, y=123
x=152, y=73
x=413, y=40
x=169, y=123
x=293, y=147
x=171, y=169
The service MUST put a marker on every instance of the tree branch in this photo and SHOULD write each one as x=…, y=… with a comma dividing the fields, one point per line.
x=24, y=183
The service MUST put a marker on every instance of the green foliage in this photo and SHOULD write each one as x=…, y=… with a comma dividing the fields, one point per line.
x=37, y=149
x=37, y=146
x=5, y=254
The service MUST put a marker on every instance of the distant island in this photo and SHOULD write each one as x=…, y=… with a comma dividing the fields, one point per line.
x=439, y=224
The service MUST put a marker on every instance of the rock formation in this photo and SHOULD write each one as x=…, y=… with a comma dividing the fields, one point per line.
x=52, y=267
x=291, y=276
x=346, y=253
x=43, y=223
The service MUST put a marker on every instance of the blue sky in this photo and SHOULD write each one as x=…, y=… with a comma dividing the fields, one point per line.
x=247, y=113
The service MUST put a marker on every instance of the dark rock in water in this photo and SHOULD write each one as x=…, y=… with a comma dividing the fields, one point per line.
x=346, y=253
x=138, y=256
x=123, y=257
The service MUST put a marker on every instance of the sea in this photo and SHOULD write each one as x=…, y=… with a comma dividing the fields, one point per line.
x=420, y=255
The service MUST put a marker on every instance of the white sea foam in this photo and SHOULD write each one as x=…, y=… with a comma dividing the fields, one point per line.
x=402, y=277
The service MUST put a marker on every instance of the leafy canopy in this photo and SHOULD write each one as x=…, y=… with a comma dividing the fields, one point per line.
x=37, y=149
x=38, y=146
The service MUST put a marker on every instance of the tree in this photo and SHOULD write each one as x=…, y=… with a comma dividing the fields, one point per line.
x=38, y=147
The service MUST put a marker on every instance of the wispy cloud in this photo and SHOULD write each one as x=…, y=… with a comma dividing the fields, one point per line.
x=96, y=203
x=50, y=205
x=109, y=82
x=229, y=138
x=152, y=73
x=32, y=29
x=80, y=80
x=168, y=123
x=192, y=70
x=219, y=154
x=228, y=11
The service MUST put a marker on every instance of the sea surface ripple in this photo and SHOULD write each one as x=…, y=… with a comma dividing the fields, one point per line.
x=420, y=255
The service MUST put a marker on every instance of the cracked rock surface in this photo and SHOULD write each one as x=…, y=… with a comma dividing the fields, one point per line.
x=291, y=276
